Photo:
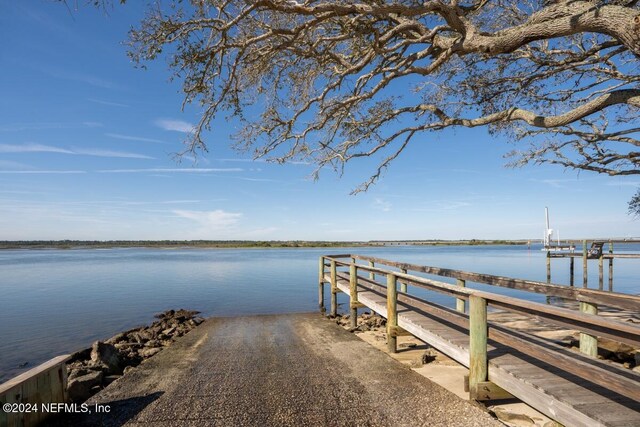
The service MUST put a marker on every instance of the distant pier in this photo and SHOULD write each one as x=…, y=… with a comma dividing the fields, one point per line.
x=599, y=250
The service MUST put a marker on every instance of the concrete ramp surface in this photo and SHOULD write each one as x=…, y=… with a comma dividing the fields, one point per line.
x=278, y=370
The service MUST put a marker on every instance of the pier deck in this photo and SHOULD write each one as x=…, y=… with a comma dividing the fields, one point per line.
x=297, y=369
x=572, y=388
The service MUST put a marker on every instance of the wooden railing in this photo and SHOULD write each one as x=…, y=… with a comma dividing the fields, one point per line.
x=474, y=319
x=29, y=396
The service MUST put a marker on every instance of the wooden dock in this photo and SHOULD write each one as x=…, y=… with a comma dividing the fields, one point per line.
x=575, y=389
x=597, y=253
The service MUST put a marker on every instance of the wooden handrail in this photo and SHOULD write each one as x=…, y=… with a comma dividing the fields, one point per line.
x=620, y=380
x=595, y=325
x=613, y=299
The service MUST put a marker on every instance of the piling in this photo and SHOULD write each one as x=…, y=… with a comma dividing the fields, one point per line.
x=478, y=371
x=321, y=284
x=588, y=343
x=600, y=272
x=548, y=267
x=353, y=296
x=460, y=302
x=392, y=312
x=571, y=271
x=611, y=266
x=334, y=289
x=584, y=264
x=403, y=285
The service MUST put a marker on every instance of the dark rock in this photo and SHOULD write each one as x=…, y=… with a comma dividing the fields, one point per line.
x=81, y=355
x=78, y=372
x=429, y=356
x=117, y=338
x=148, y=352
x=169, y=331
x=110, y=378
x=80, y=388
x=107, y=356
x=407, y=345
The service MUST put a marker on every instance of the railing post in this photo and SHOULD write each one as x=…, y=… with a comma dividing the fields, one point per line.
x=588, y=343
x=571, y=269
x=403, y=285
x=548, y=266
x=478, y=371
x=392, y=312
x=353, y=295
x=460, y=303
x=334, y=289
x=584, y=263
x=601, y=272
x=611, y=266
x=321, y=284
x=372, y=275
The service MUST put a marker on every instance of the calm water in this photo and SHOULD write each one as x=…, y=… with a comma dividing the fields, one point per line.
x=56, y=301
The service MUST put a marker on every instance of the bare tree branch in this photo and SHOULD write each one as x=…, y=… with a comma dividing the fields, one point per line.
x=326, y=82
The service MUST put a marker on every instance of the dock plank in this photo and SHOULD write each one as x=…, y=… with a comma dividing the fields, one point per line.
x=564, y=397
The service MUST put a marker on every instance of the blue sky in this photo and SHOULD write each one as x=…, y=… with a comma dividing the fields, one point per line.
x=86, y=144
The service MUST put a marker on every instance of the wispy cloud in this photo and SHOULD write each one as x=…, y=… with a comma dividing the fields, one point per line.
x=258, y=179
x=8, y=164
x=624, y=184
x=183, y=202
x=40, y=148
x=175, y=125
x=291, y=162
x=242, y=160
x=17, y=127
x=92, y=124
x=110, y=153
x=381, y=205
x=555, y=183
x=32, y=148
x=43, y=172
x=75, y=76
x=211, y=220
x=170, y=170
x=133, y=138
x=260, y=232
x=443, y=205
x=109, y=103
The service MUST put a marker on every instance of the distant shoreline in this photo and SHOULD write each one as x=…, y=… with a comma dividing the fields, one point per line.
x=238, y=244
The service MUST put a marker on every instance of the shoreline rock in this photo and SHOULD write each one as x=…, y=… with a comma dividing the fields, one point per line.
x=92, y=369
x=366, y=322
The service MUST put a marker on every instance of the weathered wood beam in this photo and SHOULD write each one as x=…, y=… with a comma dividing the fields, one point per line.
x=353, y=295
x=392, y=312
x=460, y=302
x=334, y=289
x=625, y=301
x=478, y=331
x=321, y=284
x=589, y=343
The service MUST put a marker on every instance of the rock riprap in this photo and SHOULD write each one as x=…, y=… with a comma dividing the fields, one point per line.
x=94, y=368
x=366, y=322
